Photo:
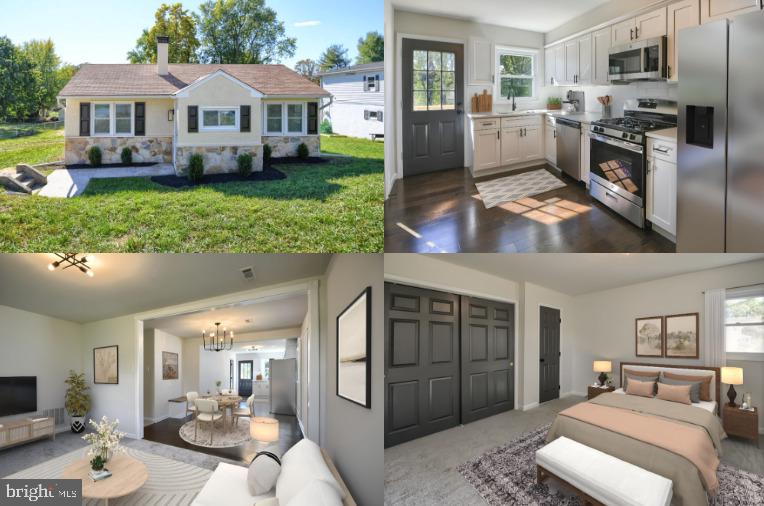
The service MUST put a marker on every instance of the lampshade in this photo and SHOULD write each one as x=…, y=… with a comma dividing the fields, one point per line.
x=732, y=375
x=264, y=429
x=602, y=366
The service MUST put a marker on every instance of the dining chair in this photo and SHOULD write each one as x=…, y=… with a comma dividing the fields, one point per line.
x=190, y=406
x=247, y=412
x=207, y=411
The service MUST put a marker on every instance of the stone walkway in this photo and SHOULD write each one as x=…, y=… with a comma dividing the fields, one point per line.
x=66, y=183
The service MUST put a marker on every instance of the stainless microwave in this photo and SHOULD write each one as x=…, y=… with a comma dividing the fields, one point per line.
x=644, y=60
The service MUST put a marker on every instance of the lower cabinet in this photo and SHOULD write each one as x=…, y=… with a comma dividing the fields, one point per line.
x=511, y=149
x=506, y=142
x=586, y=146
x=531, y=144
x=550, y=141
x=487, y=153
x=661, y=185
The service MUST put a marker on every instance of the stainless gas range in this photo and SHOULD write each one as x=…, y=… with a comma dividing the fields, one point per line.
x=617, y=171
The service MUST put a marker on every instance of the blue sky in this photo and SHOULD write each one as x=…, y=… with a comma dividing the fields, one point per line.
x=103, y=31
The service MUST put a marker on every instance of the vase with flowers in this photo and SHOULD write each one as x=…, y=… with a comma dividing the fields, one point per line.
x=104, y=442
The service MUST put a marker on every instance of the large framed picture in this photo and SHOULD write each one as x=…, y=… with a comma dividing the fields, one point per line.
x=649, y=336
x=354, y=351
x=682, y=339
x=169, y=365
x=106, y=365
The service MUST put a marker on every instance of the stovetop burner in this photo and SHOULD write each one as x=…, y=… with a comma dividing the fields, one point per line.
x=631, y=124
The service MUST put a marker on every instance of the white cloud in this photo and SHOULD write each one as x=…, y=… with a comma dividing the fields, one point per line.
x=302, y=24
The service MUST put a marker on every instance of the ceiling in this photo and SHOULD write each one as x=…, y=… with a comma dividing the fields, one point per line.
x=540, y=16
x=576, y=274
x=278, y=313
x=270, y=346
x=128, y=283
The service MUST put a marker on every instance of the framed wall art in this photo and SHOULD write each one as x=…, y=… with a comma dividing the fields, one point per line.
x=106, y=365
x=649, y=336
x=682, y=339
x=354, y=351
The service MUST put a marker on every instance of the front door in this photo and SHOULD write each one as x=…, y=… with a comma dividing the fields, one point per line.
x=245, y=378
x=432, y=119
x=549, y=354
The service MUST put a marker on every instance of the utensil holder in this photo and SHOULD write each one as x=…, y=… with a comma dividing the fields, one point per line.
x=607, y=111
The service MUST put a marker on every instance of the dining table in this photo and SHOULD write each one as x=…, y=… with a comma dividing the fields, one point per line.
x=225, y=402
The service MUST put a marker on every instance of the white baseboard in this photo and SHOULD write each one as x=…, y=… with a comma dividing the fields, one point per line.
x=530, y=406
x=568, y=394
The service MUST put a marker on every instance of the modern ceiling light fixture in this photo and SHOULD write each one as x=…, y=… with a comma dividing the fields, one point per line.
x=67, y=260
x=218, y=340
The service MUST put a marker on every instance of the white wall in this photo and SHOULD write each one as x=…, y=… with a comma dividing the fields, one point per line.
x=256, y=359
x=214, y=366
x=148, y=377
x=602, y=14
x=190, y=364
x=162, y=390
x=346, y=113
x=37, y=345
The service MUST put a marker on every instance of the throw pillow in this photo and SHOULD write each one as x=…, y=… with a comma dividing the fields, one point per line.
x=300, y=465
x=674, y=393
x=705, y=386
x=639, y=377
x=316, y=493
x=694, y=386
x=263, y=473
x=641, y=388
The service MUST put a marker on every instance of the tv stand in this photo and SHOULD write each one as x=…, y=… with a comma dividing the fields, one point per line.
x=23, y=431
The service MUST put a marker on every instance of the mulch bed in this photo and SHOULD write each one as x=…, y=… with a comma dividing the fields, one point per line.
x=293, y=160
x=267, y=174
x=110, y=165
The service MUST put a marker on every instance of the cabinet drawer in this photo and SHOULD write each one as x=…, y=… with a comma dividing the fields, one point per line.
x=485, y=124
x=525, y=121
x=661, y=150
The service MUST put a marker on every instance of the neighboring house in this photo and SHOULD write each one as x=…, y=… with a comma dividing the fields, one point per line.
x=358, y=103
x=166, y=112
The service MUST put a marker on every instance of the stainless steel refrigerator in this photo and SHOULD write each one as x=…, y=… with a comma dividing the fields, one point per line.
x=720, y=182
x=283, y=386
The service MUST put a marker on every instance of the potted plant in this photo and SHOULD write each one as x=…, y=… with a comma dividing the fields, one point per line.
x=554, y=103
x=96, y=463
x=104, y=442
x=77, y=400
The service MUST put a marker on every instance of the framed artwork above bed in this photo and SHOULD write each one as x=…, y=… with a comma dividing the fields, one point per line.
x=649, y=336
x=682, y=340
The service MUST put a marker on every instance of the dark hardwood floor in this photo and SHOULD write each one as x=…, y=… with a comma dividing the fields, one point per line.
x=441, y=208
x=166, y=432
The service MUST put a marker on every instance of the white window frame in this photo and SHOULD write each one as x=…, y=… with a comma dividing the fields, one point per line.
x=504, y=50
x=112, y=119
x=741, y=293
x=224, y=128
x=284, y=118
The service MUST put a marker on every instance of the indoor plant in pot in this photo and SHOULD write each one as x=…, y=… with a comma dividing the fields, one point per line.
x=104, y=442
x=554, y=103
x=77, y=400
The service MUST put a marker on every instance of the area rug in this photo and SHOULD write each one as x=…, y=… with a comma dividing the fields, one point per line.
x=507, y=475
x=170, y=481
x=222, y=438
x=511, y=188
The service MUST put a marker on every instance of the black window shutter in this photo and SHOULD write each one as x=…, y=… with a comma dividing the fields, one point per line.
x=376, y=83
x=85, y=119
x=244, y=121
x=379, y=115
x=140, y=118
x=193, y=118
x=365, y=84
x=312, y=118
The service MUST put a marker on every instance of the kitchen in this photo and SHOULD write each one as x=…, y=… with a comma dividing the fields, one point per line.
x=594, y=127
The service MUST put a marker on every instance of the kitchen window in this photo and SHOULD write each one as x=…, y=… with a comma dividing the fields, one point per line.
x=744, y=323
x=516, y=72
x=220, y=118
x=112, y=119
x=286, y=118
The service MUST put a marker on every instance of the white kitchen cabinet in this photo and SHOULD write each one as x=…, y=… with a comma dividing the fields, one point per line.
x=601, y=56
x=559, y=63
x=586, y=146
x=661, y=184
x=550, y=141
x=623, y=32
x=487, y=153
x=571, y=61
x=506, y=142
x=712, y=10
x=584, y=60
x=511, y=146
x=680, y=15
x=549, y=63
x=531, y=143
x=481, y=60
x=651, y=25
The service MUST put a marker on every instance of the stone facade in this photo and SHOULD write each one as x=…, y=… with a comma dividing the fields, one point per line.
x=287, y=146
x=218, y=159
x=145, y=149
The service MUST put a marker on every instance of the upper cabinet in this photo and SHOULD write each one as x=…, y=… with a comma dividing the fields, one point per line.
x=623, y=32
x=681, y=15
x=646, y=26
x=584, y=60
x=600, y=55
x=571, y=62
x=549, y=62
x=481, y=57
x=559, y=63
x=711, y=10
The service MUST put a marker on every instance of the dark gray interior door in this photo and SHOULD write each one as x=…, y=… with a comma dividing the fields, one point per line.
x=432, y=119
x=488, y=358
x=245, y=378
x=549, y=354
x=421, y=362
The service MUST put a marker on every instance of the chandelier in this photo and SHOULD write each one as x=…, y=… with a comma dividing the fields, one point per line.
x=218, y=340
x=70, y=260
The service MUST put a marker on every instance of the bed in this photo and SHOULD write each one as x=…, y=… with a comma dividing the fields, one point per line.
x=678, y=441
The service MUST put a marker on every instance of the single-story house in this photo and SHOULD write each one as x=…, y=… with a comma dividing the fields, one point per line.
x=166, y=112
x=358, y=99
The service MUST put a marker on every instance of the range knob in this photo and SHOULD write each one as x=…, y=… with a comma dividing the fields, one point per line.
x=632, y=136
x=625, y=136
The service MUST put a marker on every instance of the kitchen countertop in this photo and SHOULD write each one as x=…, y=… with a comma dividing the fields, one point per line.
x=484, y=115
x=667, y=134
x=581, y=117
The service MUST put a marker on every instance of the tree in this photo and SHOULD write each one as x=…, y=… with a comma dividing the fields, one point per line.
x=335, y=57
x=371, y=48
x=170, y=20
x=307, y=68
x=17, y=83
x=41, y=54
x=242, y=31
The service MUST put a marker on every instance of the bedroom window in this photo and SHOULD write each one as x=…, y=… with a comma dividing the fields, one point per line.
x=123, y=114
x=102, y=119
x=112, y=119
x=285, y=118
x=294, y=118
x=220, y=118
x=516, y=71
x=273, y=118
x=744, y=322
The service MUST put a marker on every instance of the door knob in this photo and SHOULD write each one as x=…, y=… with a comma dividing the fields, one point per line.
x=511, y=364
x=541, y=360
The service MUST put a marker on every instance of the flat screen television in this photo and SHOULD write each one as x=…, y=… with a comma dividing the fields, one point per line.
x=18, y=394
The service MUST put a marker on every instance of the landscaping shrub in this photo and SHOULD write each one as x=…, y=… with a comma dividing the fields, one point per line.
x=245, y=164
x=326, y=127
x=267, y=152
x=127, y=156
x=302, y=151
x=195, y=168
x=94, y=155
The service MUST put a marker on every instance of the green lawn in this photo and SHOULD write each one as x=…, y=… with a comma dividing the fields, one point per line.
x=331, y=207
x=44, y=146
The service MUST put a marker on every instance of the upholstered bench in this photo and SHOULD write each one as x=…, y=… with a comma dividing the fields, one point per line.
x=599, y=478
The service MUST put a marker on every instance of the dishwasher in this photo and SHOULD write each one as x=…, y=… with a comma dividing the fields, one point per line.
x=569, y=147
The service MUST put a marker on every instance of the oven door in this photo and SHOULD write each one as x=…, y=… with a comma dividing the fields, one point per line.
x=618, y=166
x=639, y=61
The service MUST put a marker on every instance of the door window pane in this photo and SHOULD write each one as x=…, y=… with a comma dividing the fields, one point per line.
x=449, y=61
x=420, y=60
x=123, y=114
x=294, y=118
x=448, y=101
x=420, y=100
x=433, y=60
x=434, y=76
x=102, y=119
x=273, y=123
x=245, y=370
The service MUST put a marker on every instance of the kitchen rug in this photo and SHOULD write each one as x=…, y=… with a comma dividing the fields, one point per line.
x=511, y=188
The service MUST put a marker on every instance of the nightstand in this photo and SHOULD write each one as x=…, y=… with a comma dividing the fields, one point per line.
x=742, y=423
x=593, y=392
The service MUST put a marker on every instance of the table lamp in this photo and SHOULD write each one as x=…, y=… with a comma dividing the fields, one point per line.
x=264, y=429
x=603, y=367
x=732, y=376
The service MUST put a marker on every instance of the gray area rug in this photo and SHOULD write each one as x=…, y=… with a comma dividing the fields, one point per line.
x=170, y=481
x=507, y=475
x=221, y=438
x=511, y=188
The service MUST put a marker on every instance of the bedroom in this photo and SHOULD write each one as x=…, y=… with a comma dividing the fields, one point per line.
x=536, y=330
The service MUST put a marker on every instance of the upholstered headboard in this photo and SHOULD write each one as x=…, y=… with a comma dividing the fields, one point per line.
x=695, y=370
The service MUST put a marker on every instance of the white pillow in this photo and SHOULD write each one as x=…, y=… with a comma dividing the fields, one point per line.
x=317, y=493
x=263, y=473
x=300, y=465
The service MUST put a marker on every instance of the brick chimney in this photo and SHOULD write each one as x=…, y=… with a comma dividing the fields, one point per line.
x=163, y=44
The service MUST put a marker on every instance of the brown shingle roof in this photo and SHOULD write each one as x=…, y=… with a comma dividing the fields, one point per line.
x=117, y=80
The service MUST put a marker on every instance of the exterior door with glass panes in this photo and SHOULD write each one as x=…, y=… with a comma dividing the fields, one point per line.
x=245, y=378
x=433, y=115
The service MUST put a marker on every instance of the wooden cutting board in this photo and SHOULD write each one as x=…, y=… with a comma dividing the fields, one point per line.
x=482, y=102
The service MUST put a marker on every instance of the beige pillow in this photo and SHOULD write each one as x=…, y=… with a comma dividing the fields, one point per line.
x=674, y=393
x=705, y=386
x=641, y=388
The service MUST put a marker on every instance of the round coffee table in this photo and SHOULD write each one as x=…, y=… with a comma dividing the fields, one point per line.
x=127, y=476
